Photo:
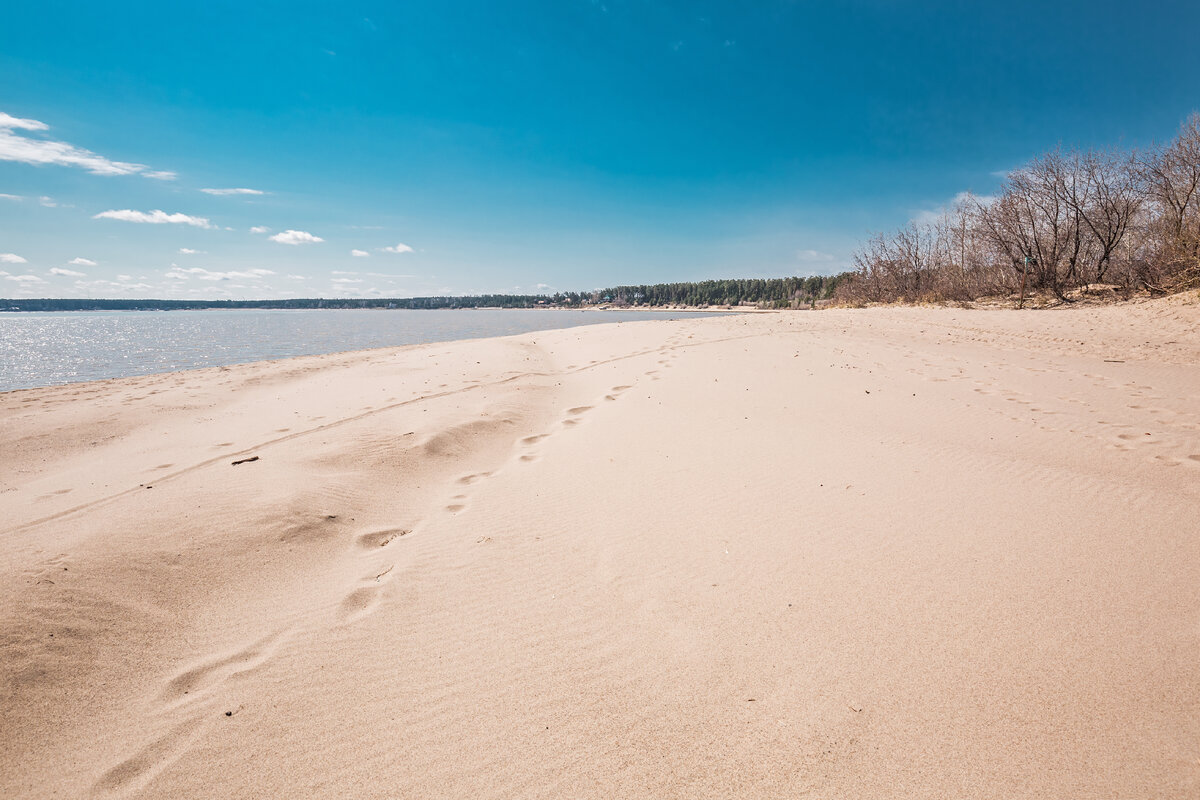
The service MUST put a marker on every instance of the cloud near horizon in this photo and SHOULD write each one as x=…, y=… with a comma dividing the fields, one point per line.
x=359, y=253
x=223, y=192
x=28, y=150
x=155, y=217
x=11, y=258
x=70, y=272
x=295, y=237
x=80, y=261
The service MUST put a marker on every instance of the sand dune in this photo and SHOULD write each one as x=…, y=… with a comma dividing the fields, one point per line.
x=874, y=553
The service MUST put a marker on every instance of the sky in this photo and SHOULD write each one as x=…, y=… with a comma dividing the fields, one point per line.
x=261, y=150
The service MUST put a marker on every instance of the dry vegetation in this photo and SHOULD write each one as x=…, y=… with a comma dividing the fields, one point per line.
x=1068, y=222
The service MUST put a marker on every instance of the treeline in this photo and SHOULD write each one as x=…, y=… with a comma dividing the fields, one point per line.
x=78, y=304
x=766, y=292
x=1067, y=221
x=773, y=293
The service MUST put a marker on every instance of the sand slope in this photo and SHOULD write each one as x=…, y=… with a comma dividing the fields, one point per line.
x=875, y=553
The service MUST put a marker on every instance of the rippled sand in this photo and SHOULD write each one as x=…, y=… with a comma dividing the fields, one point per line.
x=877, y=553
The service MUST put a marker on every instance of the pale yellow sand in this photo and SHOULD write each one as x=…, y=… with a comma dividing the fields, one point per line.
x=877, y=553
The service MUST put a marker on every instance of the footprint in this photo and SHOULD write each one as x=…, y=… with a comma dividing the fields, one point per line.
x=528, y=457
x=364, y=599
x=620, y=388
x=196, y=679
x=137, y=770
x=454, y=508
x=534, y=439
x=377, y=539
x=579, y=410
x=359, y=603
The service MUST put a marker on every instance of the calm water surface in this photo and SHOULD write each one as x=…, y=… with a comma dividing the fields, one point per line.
x=43, y=349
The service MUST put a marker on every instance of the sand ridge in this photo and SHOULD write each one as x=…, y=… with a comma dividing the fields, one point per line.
x=873, y=553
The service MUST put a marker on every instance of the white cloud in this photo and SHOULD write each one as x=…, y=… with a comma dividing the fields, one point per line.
x=24, y=278
x=297, y=278
x=359, y=253
x=154, y=217
x=388, y=275
x=343, y=272
x=7, y=121
x=222, y=192
x=399, y=248
x=161, y=175
x=82, y=262
x=11, y=258
x=295, y=237
x=15, y=197
x=346, y=280
x=260, y=229
x=48, y=202
x=202, y=274
x=28, y=150
x=928, y=216
x=70, y=272
x=187, y=251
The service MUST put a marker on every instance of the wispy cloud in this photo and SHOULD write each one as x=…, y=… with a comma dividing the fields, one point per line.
x=359, y=253
x=814, y=257
x=11, y=258
x=187, y=251
x=260, y=229
x=24, y=278
x=222, y=192
x=199, y=273
x=82, y=262
x=154, y=217
x=47, y=202
x=346, y=280
x=18, y=198
x=295, y=237
x=70, y=272
x=928, y=216
x=399, y=248
x=27, y=149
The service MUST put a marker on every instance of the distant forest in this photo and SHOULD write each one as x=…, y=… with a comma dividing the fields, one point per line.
x=758, y=292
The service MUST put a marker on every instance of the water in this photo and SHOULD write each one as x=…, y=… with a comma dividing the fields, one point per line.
x=44, y=349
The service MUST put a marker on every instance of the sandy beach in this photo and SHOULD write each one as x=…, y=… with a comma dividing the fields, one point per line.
x=877, y=553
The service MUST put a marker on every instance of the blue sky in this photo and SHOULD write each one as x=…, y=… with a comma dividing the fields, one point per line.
x=525, y=146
